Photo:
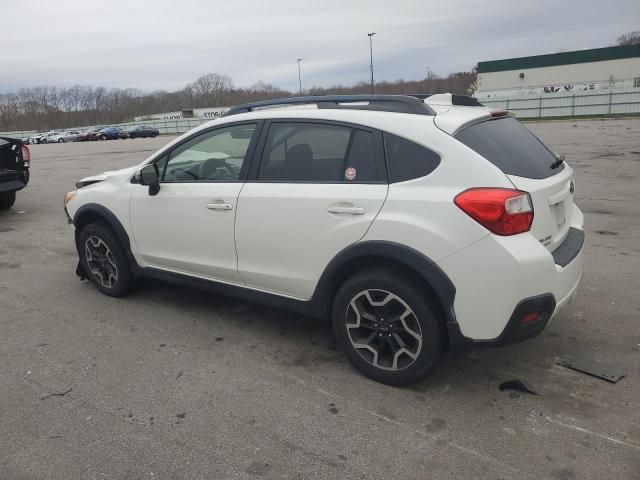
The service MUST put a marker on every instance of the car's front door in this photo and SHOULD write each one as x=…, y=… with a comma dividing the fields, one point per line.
x=188, y=226
x=317, y=189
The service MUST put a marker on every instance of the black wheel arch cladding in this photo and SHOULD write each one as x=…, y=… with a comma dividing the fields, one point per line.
x=93, y=212
x=410, y=258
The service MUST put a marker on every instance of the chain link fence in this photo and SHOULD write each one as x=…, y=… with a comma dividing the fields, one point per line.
x=165, y=127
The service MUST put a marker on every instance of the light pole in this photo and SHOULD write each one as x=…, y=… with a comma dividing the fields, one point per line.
x=299, y=77
x=370, y=35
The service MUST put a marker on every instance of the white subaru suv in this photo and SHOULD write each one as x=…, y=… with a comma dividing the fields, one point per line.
x=416, y=224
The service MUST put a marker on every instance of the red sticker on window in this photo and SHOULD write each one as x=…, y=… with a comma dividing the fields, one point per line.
x=350, y=173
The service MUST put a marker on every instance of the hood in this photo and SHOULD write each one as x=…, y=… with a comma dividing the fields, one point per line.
x=101, y=177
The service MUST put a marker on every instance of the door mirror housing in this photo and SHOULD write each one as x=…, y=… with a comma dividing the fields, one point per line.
x=149, y=175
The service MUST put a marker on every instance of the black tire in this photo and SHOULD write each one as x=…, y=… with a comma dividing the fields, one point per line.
x=61, y=140
x=116, y=264
x=422, y=321
x=7, y=200
x=154, y=135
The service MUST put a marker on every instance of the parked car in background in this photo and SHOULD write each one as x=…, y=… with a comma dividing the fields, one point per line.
x=46, y=138
x=15, y=160
x=62, y=137
x=140, y=131
x=34, y=138
x=86, y=135
x=106, y=133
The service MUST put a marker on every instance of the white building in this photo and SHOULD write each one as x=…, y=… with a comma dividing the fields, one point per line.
x=208, y=113
x=598, y=68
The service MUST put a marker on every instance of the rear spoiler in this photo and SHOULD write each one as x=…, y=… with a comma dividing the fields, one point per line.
x=453, y=120
x=444, y=99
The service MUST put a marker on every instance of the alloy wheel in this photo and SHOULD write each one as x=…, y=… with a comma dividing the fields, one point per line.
x=101, y=262
x=383, y=329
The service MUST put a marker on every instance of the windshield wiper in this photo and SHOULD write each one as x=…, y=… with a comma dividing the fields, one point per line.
x=559, y=161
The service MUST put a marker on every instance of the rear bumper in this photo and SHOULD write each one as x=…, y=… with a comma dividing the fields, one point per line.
x=499, y=280
x=12, y=186
x=518, y=328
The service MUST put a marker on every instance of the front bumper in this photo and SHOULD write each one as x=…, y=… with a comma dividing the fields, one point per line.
x=69, y=219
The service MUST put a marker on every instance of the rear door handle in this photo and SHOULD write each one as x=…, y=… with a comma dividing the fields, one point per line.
x=349, y=210
x=219, y=206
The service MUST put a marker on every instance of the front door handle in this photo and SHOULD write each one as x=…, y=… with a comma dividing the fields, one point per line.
x=349, y=210
x=219, y=206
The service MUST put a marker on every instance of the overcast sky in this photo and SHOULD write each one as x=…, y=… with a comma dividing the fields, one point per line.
x=163, y=44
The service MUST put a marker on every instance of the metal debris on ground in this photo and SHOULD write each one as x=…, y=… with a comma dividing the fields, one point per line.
x=57, y=394
x=519, y=385
x=595, y=369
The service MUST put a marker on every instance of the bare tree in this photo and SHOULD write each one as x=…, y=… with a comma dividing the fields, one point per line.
x=42, y=108
x=212, y=87
x=629, y=38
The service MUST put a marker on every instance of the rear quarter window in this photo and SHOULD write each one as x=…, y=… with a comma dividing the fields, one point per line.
x=408, y=160
x=511, y=147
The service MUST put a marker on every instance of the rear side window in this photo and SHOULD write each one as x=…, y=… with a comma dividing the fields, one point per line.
x=361, y=165
x=511, y=147
x=408, y=160
x=313, y=152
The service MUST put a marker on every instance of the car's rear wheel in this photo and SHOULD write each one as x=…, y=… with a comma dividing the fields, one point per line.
x=103, y=137
x=387, y=328
x=104, y=260
x=61, y=140
x=7, y=200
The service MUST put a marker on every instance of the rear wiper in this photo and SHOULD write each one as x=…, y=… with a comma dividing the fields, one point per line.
x=559, y=161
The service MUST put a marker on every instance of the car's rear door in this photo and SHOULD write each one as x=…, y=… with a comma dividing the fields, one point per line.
x=316, y=190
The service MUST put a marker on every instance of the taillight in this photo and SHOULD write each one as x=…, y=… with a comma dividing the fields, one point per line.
x=26, y=156
x=502, y=211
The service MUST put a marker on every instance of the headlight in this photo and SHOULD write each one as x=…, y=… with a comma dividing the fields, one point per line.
x=69, y=196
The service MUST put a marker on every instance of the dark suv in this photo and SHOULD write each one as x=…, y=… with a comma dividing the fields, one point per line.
x=14, y=169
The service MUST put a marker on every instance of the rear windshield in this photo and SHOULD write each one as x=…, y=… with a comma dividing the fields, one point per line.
x=511, y=147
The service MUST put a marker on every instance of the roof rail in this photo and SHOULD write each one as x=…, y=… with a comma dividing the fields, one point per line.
x=385, y=103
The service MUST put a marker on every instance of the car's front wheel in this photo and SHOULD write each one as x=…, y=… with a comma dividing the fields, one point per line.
x=387, y=327
x=7, y=200
x=61, y=140
x=104, y=260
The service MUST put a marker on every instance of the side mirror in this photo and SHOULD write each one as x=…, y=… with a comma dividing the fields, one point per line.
x=149, y=175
